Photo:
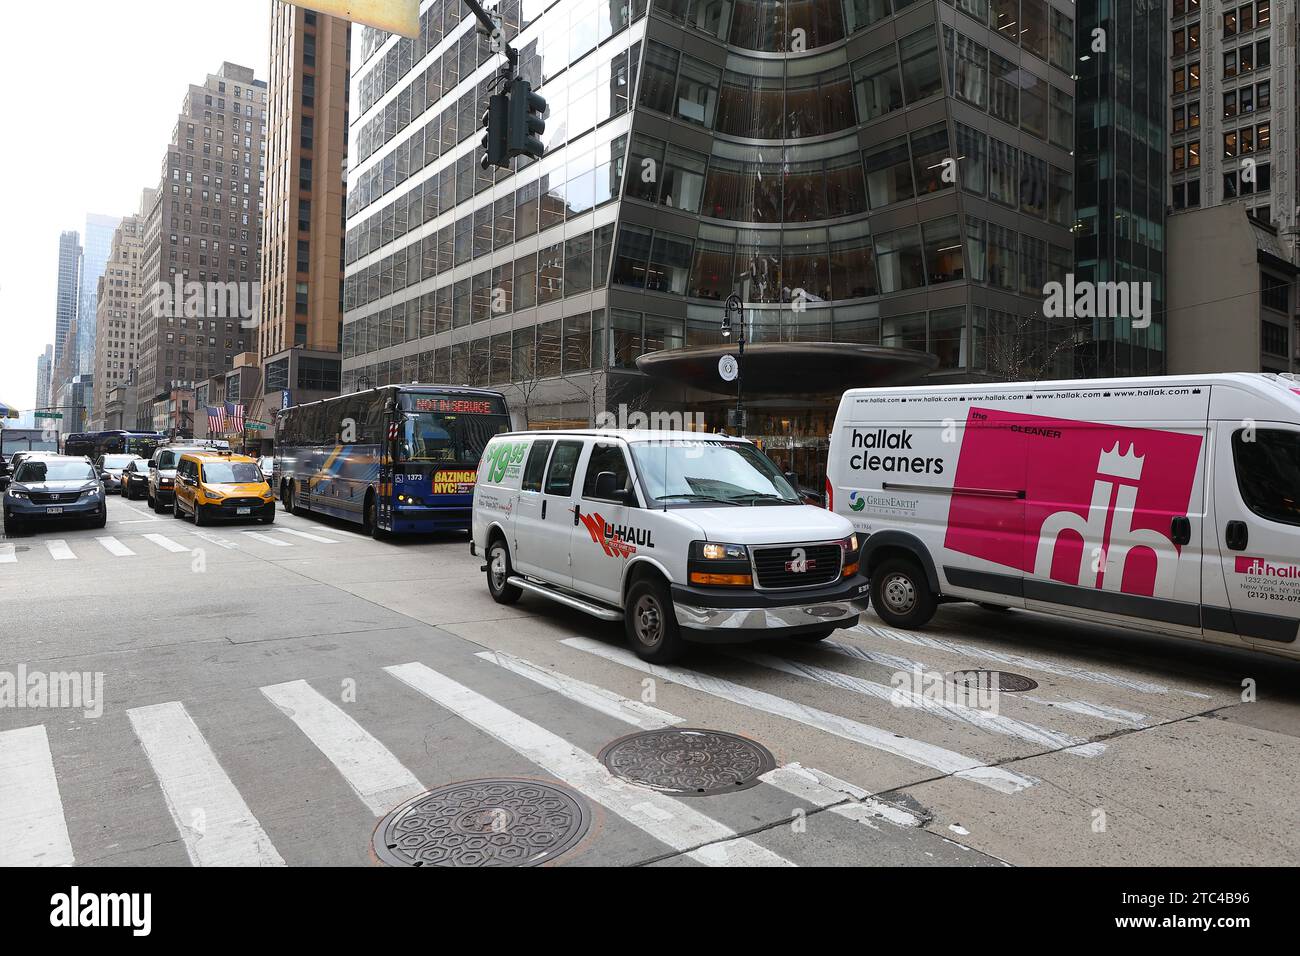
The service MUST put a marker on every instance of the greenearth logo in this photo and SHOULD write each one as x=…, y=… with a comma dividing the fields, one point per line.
x=505, y=457
x=856, y=502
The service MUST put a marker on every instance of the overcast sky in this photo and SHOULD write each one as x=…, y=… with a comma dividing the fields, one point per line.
x=90, y=92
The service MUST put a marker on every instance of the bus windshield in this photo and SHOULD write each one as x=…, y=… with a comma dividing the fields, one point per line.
x=457, y=439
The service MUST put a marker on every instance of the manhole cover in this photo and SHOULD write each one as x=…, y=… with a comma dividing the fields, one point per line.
x=483, y=823
x=993, y=680
x=688, y=762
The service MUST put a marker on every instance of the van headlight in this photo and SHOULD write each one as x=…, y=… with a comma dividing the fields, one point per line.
x=850, y=561
x=716, y=564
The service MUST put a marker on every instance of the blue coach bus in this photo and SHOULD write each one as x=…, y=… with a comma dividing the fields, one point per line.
x=396, y=459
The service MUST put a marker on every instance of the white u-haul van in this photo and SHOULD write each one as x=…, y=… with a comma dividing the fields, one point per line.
x=682, y=535
x=1167, y=504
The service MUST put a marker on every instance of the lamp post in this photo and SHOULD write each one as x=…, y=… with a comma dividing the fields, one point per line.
x=737, y=325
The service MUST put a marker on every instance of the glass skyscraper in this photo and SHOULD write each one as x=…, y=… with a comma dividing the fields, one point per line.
x=1122, y=122
x=857, y=171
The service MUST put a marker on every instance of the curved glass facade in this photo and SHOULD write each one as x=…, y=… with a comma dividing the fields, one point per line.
x=892, y=172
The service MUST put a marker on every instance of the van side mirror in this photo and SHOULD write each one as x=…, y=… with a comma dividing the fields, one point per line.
x=609, y=488
x=791, y=477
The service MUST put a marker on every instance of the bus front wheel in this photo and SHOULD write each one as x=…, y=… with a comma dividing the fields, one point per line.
x=369, y=523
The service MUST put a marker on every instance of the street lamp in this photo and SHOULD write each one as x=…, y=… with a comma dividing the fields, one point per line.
x=734, y=305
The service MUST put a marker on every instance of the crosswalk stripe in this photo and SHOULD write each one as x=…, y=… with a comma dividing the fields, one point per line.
x=267, y=539
x=818, y=788
x=589, y=695
x=666, y=819
x=165, y=542
x=115, y=547
x=309, y=537
x=1082, y=707
x=32, y=827
x=917, y=751
x=369, y=767
x=59, y=550
x=210, y=815
x=8, y=555
x=214, y=539
x=944, y=709
x=1014, y=660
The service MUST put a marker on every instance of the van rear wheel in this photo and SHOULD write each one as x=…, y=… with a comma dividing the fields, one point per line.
x=901, y=595
x=499, y=572
x=651, y=623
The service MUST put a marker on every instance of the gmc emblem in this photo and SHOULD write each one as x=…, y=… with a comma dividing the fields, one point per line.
x=799, y=562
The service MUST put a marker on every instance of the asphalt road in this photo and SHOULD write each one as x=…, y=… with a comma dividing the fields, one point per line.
x=269, y=694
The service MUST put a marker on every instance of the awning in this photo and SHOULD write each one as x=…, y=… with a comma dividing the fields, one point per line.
x=9, y=411
x=791, y=368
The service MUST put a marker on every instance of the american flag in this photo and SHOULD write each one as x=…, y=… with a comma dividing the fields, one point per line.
x=216, y=420
x=235, y=416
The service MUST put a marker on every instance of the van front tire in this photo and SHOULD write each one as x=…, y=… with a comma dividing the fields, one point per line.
x=901, y=595
x=499, y=572
x=651, y=623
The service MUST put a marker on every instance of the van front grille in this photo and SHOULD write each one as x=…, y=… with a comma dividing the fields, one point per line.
x=797, y=566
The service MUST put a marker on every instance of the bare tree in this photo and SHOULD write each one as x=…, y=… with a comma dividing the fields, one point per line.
x=1023, y=348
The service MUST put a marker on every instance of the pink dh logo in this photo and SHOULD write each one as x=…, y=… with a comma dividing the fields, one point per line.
x=1098, y=499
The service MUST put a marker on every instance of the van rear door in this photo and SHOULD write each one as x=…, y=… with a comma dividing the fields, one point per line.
x=1257, y=518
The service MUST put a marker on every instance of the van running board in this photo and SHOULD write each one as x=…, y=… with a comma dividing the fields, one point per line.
x=578, y=604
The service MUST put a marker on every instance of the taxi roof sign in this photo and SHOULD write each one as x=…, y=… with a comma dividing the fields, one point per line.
x=391, y=16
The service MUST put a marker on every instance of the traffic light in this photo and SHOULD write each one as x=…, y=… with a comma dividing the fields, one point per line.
x=495, y=121
x=527, y=110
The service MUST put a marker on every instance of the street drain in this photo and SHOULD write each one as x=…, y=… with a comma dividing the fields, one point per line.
x=687, y=762
x=483, y=823
x=993, y=680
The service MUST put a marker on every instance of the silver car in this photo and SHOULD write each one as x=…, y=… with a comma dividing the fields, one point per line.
x=54, y=488
x=110, y=470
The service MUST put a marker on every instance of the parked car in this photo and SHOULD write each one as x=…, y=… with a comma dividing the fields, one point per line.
x=110, y=469
x=682, y=536
x=267, y=464
x=135, y=479
x=1166, y=504
x=212, y=485
x=53, y=487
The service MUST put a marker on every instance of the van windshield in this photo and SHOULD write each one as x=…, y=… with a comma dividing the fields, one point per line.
x=730, y=472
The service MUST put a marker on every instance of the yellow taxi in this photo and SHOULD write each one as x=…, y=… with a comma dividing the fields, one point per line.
x=219, y=484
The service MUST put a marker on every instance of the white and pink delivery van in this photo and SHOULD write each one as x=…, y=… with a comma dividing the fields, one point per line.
x=1166, y=504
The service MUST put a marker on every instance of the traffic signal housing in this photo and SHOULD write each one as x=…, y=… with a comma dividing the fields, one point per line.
x=527, y=123
x=495, y=130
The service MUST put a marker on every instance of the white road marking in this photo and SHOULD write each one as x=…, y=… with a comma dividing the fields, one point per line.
x=822, y=790
x=369, y=767
x=309, y=537
x=1016, y=660
x=668, y=820
x=916, y=751
x=32, y=828
x=8, y=555
x=871, y=657
x=980, y=719
x=115, y=547
x=267, y=539
x=165, y=543
x=589, y=695
x=210, y=815
x=214, y=539
x=59, y=550
x=1089, y=709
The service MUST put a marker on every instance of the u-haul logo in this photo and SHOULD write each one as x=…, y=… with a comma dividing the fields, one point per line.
x=1097, y=500
x=617, y=540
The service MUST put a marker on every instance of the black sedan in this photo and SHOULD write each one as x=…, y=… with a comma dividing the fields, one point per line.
x=135, y=480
